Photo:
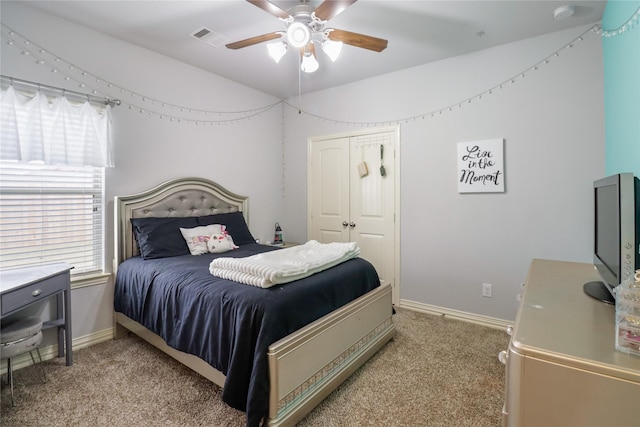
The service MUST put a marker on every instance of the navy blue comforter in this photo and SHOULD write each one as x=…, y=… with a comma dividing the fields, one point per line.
x=228, y=324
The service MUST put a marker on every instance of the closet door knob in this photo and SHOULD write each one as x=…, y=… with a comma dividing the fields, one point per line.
x=352, y=224
x=345, y=223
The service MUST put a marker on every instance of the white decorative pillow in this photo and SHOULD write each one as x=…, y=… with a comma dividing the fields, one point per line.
x=198, y=237
x=219, y=243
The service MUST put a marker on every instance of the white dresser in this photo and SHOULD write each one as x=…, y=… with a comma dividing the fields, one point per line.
x=562, y=368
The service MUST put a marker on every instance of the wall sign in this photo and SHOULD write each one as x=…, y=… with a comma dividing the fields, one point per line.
x=481, y=166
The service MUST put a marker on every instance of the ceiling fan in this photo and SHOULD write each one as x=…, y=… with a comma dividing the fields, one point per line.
x=305, y=28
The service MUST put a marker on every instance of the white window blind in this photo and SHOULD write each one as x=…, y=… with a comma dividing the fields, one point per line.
x=52, y=158
x=51, y=214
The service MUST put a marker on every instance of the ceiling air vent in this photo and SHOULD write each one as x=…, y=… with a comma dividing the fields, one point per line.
x=209, y=37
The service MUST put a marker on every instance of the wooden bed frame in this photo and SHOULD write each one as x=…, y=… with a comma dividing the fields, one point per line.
x=305, y=366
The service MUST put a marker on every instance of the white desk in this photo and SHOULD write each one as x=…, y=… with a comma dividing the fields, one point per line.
x=22, y=287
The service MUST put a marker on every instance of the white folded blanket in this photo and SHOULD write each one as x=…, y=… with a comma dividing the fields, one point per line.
x=284, y=265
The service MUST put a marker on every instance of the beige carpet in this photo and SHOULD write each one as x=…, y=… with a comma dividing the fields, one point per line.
x=436, y=372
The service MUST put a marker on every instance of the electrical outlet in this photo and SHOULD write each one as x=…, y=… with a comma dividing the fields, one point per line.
x=487, y=290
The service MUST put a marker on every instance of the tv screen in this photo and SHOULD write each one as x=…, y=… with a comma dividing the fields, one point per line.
x=616, y=227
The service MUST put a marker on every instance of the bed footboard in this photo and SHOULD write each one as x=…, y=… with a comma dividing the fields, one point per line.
x=309, y=364
x=306, y=366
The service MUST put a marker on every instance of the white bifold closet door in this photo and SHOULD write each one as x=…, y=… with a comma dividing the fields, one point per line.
x=345, y=206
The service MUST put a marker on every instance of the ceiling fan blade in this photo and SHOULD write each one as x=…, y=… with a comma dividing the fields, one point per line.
x=358, y=40
x=330, y=8
x=271, y=8
x=255, y=40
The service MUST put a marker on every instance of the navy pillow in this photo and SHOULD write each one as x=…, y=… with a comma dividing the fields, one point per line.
x=161, y=237
x=236, y=226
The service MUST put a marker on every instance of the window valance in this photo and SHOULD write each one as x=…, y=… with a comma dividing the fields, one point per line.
x=54, y=131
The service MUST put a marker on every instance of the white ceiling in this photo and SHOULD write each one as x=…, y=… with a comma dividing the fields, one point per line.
x=418, y=32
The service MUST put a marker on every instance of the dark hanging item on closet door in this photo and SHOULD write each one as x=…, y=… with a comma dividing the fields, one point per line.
x=382, y=171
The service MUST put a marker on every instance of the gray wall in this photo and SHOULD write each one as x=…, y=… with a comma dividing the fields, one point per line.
x=552, y=123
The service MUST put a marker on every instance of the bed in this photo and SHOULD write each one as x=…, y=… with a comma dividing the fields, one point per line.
x=276, y=352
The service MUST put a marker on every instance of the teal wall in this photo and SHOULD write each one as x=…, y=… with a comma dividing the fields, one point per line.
x=622, y=89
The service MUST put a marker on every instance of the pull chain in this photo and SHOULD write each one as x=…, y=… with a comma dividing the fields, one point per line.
x=299, y=85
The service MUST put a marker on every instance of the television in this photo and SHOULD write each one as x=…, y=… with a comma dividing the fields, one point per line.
x=616, y=251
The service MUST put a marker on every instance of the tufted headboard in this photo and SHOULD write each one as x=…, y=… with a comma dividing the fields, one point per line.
x=180, y=197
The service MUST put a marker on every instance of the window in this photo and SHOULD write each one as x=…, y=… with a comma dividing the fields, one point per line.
x=51, y=214
x=52, y=158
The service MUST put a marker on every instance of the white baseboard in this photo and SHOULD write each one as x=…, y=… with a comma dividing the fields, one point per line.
x=51, y=351
x=491, y=322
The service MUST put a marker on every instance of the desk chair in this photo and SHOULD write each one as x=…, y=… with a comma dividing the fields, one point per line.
x=18, y=337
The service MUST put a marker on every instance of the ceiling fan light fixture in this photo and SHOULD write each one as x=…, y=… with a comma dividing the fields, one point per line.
x=332, y=49
x=309, y=63
x=277, y=50
x=298, y=34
